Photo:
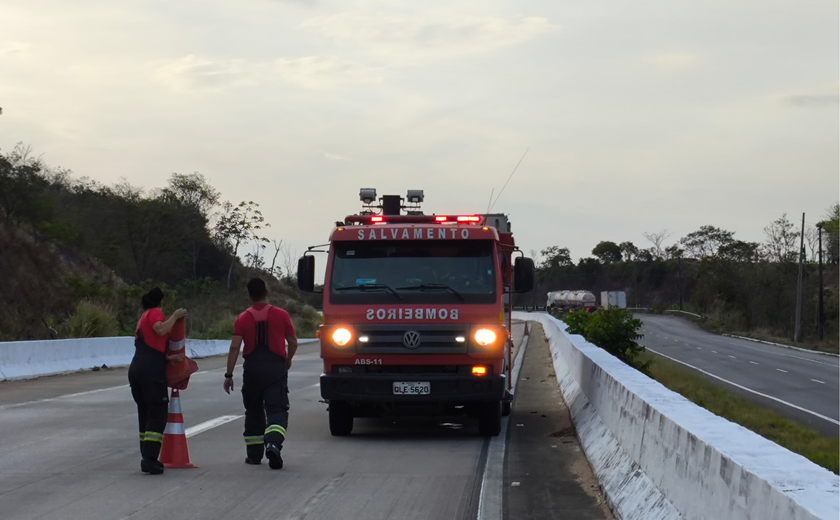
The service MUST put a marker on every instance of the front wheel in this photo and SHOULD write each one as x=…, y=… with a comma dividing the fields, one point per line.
x=341, y=418
x=490, y=419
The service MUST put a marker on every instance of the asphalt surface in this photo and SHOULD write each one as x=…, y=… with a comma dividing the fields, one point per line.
x=803, y=386
x=69, y=450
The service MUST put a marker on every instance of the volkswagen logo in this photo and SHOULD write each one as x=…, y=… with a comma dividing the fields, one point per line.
x=411, y=339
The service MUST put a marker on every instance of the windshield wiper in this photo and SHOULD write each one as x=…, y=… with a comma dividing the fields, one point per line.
x=432, y=286
x=366, y=286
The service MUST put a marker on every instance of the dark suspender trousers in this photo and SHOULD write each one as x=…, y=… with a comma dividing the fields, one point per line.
x=265, y=392
x=147, y=379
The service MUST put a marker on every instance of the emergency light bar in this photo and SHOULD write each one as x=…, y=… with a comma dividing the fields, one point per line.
x=413, y=219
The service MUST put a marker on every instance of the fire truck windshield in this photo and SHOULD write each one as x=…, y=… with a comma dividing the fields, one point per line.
x=419, y=272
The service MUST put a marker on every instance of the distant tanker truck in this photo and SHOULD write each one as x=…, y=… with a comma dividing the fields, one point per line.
x=571, y=301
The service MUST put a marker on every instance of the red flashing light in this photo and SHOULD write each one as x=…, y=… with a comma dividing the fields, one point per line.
x=377, y=219
x=441, y=218
x=468, y=218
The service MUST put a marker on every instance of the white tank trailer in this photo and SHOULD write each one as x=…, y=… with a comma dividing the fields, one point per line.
x=571, y=300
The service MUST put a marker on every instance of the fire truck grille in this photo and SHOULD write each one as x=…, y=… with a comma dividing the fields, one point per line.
x=407, y=339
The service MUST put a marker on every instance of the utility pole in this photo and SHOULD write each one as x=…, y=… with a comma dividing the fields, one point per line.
x=820, y=312
x=797, y=335
x=679, y=275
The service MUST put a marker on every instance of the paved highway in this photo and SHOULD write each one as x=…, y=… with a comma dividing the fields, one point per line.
x=69, y=450
x=800, y=385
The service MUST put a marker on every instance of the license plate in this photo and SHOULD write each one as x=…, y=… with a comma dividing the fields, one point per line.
x=414, y=388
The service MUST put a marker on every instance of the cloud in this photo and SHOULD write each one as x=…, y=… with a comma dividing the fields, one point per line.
x=8, y=48
x=426, y=37
x=311, y=72
x=811, y=101
x=335, y=157
x=675, y=60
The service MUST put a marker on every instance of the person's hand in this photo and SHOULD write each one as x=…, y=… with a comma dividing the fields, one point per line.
x=288, y=363
x=228, y=384
x=180, y=313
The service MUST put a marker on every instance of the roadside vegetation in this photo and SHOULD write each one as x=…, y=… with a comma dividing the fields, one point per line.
x=77, y=254
x=740, y=287
x=616, y=331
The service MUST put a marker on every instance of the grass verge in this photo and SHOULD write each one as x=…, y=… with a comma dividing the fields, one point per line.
x=820, y=449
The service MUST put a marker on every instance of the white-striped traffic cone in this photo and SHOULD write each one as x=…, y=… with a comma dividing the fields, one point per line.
x=174, y=452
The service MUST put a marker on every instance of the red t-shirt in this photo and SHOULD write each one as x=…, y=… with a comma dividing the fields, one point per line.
x=150, y=337
x=279, y=326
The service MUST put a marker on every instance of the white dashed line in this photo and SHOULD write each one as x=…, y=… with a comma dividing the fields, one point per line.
x=698, y=348
x=780, y=370
x=715, y=351
x=818, y=381
x=753, y=362
x=815, y=414
x=733, y=357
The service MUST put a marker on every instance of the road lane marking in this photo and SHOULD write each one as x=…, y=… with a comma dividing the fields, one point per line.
x=742, y=387
x=715, y=351
x=753, y=362
x=209, y=425
x=490, y=504
x=698, y=348
x=733, y=357
x=818, y=381
x=780, y=370
x=66, y=396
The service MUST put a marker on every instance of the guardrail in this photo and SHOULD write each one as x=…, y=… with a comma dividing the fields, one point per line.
x=30, y=359
x=657, y=455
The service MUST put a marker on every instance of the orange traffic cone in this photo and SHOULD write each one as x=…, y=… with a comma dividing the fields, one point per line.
x=174, y=452
x=527, y=332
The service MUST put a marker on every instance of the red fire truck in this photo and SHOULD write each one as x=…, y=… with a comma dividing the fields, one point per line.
x=417, y=313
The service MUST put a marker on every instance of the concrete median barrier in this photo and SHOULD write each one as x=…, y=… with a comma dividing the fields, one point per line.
x=659, y=456
x=30, y=359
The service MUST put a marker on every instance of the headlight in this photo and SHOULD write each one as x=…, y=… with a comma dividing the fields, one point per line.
x=484, y=337
x=341, y=336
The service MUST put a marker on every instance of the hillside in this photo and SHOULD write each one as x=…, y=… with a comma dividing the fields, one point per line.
x=77, y=254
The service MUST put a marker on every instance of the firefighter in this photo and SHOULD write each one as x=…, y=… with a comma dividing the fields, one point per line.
x=265, y=330
x=147, y=377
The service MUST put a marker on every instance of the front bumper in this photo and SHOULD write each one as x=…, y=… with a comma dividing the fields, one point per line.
x=443, y=388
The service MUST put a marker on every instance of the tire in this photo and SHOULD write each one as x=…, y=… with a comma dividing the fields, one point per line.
x=490, y=419
x=341, y=418
x=506, y=406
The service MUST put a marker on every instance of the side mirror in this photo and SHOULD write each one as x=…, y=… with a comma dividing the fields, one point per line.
x=306, y=273
x=523, y=275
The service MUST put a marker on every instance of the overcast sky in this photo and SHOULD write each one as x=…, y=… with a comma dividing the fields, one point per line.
x=638, y=115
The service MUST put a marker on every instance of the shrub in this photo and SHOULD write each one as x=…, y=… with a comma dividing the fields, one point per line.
x=614, y=330
x=91, y=321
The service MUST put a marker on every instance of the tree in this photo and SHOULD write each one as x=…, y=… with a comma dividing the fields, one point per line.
x=781, y=243
x=278, y=272
x=289, y=261
x=812, y=239
x=192, y=190
x=657, y=239
x=740, y=251
x=706, y=241
x=194, y=193
x=629, y=250
x=236, y=225
x=555, y=256
x=255, y=259
x=22, y=186
x=607, y=252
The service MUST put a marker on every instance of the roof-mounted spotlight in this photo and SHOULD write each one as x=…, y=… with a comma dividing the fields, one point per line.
x=367, y=195
x=414, y=196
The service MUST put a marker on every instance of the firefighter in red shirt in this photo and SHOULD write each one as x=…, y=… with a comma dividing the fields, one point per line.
x=264, y=329
x=147, y=377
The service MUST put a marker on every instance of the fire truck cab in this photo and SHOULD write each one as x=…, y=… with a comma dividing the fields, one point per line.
x=417, y=313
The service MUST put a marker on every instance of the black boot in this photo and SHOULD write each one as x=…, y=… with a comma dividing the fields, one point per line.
x=275, y=461
x=151, y=466
x=254, y=454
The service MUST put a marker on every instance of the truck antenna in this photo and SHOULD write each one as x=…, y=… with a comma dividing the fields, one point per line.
x=507, y=181
x=489, y=202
